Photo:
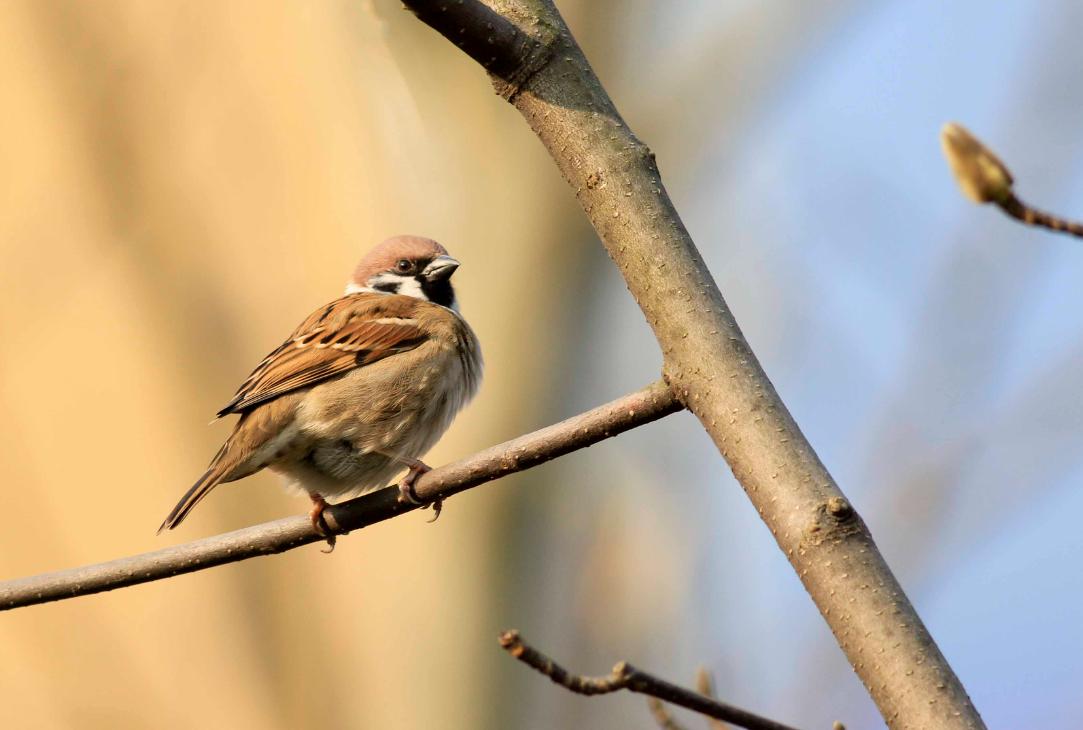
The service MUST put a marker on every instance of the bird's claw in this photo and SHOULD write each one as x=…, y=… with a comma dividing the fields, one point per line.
x=319, y=523
x=408, y=494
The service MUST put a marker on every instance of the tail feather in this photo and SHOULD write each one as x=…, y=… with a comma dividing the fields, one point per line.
x=215, y=475
x=239, y=455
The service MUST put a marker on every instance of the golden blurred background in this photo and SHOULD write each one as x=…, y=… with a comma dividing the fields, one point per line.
x=182, y=182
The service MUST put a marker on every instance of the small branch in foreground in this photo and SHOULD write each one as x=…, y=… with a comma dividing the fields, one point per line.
x=983, y=178
x=705, y=686
x=586, y=429
x=625, y=676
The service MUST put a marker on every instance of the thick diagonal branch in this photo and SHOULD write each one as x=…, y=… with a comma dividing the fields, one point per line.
x=625, y=676
x=586, y=429
x=712, y=369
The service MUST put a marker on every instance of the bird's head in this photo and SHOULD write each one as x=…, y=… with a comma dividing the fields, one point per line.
x=411, y=265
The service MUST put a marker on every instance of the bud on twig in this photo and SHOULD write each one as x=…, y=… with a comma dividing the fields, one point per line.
x=981, y=175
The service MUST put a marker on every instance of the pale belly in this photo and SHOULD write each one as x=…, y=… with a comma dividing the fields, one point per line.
x=356, y=433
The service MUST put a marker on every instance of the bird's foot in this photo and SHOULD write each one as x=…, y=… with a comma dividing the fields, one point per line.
x=407, y=493
x=319, y=523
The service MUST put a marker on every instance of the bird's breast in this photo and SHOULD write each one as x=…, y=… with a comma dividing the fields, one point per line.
x=397, y=407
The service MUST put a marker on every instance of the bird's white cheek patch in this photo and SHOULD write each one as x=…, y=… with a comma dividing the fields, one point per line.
x=388, y=283
x=412, y=288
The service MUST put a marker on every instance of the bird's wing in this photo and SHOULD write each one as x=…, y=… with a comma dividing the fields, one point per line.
x=350, y=332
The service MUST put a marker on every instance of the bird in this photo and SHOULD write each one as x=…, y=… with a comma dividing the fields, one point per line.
x=360, y=391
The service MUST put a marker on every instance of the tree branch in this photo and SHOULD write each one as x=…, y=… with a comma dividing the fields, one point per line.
x=712, y=369
x=625, y=676
x=661, y=715
x=489, y=38
x=705, y=686
x=983, y=178
x=586, y=429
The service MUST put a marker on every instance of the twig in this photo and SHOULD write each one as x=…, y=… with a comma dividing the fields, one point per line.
x=627, y=412
x=714, y=372
x=661, y=715
x=625, y=676
x=705, y=686
x=983, y=178
x=1019, y=210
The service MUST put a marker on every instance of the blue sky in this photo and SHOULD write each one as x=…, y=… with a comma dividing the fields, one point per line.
x=931, y=349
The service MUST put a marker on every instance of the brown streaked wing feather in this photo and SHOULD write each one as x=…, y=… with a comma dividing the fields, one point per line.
x=353, y=331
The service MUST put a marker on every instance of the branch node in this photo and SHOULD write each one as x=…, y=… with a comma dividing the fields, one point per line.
x=540, y=53
x=510, y=641
x=839, y=508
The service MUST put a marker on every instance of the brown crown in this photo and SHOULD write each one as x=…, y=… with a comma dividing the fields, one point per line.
x=384, y=256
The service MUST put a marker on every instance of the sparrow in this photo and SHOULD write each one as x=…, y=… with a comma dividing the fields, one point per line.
x=361, y=390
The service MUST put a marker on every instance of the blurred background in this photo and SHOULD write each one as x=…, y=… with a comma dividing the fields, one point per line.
x=181, y=183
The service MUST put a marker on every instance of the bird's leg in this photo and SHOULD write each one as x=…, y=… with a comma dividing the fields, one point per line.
x=319, y=524
x=406, y=487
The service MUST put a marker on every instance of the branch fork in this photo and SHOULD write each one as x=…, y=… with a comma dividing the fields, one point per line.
x=708, y=362
x=625, y=676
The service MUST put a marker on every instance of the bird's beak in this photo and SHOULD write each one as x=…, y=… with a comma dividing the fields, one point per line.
x=440, y=268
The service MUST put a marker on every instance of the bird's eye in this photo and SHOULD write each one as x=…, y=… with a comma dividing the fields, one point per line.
x=404, y=266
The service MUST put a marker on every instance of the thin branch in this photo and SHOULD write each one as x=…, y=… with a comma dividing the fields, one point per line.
x=625, y=676
x=705, y=686
x=1023, y=212
x=983, y=178
x=586, y=429
x=713, y=370
x=661, y=715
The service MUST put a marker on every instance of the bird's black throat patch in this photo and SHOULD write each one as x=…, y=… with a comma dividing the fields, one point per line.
x=438, y=292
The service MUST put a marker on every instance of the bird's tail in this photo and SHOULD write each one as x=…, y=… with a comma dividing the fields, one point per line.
x=216, y=473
